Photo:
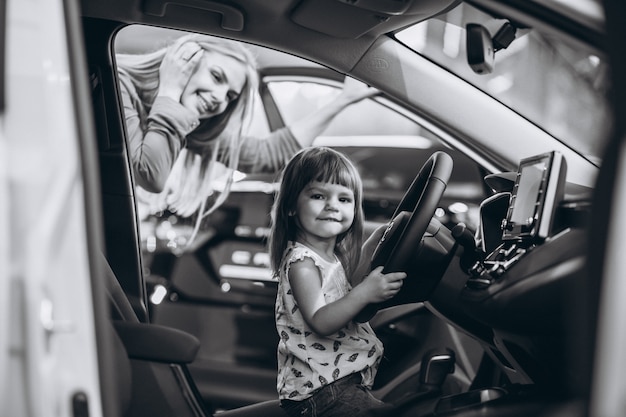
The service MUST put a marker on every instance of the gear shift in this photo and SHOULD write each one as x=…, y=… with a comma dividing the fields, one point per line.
x=436, y=365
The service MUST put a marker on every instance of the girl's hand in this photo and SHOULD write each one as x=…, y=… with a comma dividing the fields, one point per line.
x=370, y=244
x=178, y=64
x=379, y=287
x=367, y=251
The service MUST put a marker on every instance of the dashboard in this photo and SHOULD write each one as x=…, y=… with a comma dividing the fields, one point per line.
x=511, y=285
x=529, y=210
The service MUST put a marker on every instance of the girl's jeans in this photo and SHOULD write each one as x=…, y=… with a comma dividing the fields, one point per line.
x=342, y=398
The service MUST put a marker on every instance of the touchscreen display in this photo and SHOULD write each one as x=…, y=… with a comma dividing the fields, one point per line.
x=538, y=190
x=527, y=196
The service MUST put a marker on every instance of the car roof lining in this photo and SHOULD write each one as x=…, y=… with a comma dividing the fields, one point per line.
x=302, y=35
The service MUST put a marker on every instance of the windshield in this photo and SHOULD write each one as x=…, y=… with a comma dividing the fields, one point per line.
x=558, y=86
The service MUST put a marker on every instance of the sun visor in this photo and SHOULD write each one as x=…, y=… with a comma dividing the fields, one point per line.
x=336, y=18
x=354, y=18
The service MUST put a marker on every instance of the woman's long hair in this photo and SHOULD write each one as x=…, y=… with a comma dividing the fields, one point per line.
x=217, y=139
x=324, y=165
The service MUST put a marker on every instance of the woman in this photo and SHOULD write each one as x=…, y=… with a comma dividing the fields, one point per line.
x=186, y=109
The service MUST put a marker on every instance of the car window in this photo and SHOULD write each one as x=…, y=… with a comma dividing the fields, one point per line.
x=377, y=135
x=372, y=132
x=382, y=141
x=295, y=99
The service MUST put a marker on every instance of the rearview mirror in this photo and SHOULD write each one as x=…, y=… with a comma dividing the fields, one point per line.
x=480, y=50
x=482, y=47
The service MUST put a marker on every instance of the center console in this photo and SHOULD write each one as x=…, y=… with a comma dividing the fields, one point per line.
x=528, y=217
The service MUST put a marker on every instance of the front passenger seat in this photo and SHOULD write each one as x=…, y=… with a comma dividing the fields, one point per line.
x=160, y=383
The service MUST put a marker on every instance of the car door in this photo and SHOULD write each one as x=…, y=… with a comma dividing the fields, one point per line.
x=51, y=301
x=604, y=287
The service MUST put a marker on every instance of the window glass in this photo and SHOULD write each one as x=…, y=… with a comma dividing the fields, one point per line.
x=382, y=142
x=559, y=86
x=380, y=138
x=296, y=99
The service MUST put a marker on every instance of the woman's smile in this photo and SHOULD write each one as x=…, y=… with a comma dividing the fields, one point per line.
x=205, y=106
x=217, y=80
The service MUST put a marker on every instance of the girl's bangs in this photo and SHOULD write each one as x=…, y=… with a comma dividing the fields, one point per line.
x=336, y=171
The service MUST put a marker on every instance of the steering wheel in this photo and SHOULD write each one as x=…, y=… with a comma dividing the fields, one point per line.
x=410, y=220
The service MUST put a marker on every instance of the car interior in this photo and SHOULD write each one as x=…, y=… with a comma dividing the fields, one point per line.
x=493, y=319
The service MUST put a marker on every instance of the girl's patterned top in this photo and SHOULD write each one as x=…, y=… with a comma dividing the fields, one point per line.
x=307, y=361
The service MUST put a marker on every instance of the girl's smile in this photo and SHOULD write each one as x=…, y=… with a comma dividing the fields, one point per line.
x=324, y=211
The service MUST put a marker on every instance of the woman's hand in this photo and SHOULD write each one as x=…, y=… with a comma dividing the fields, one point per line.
x=178, y=64
x=308, y=128
x=355, y=90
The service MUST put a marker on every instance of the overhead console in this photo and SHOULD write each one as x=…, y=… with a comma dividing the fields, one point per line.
x=530, y=209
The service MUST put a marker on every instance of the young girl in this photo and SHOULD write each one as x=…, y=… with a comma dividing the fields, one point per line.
x=326, y=361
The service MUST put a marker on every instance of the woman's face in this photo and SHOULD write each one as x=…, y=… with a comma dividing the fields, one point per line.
x=217, y=80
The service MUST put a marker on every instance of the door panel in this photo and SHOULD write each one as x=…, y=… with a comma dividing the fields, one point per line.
x=221, y=294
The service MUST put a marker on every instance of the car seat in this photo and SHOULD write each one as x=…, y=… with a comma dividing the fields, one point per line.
x=152, y=360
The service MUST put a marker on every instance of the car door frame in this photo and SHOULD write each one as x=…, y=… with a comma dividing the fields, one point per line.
x=604, y=287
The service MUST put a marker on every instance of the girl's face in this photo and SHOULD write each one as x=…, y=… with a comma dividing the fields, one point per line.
x=217, y=80
x=324, y=211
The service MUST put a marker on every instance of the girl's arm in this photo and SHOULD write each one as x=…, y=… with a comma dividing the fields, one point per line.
x=326, y=319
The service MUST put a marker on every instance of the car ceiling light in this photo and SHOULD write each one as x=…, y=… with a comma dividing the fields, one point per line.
x=262, y=231
x=261, y=259
x=225, y=286
x=242, y=230
x=158, y=294
x=241, y=257
x=238, y=176
x=151, y=243
x=245, y=272
x=500, y=84
x=458, y=208
x=376, y=141
x=452, y=40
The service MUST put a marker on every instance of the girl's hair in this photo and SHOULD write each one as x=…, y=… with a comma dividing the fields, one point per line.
x=324, y=165
x=217, y=139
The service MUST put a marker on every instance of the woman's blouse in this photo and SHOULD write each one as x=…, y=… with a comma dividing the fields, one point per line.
x=307, y=361
x=156, y=136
